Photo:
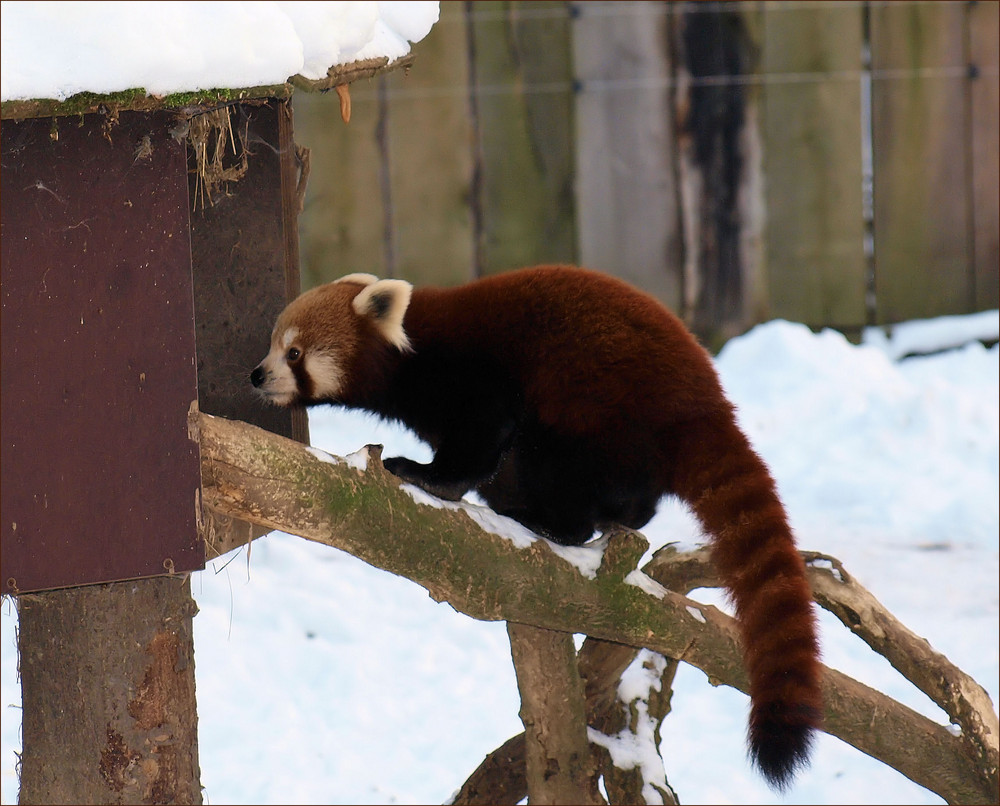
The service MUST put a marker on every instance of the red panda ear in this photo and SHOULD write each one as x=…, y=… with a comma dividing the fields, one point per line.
x=384, y=303
x=361, y=279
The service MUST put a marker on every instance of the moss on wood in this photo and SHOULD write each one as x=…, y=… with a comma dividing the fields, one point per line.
x=138, y=99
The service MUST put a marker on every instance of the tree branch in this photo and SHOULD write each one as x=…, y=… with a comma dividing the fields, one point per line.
x=500, y=778
x=252, y=475
x=956, y=693
x=558, y=765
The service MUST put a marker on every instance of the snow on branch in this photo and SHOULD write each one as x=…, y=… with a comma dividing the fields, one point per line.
x=491, y=569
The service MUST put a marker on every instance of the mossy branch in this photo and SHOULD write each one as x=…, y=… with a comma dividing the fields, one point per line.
x=255, y=476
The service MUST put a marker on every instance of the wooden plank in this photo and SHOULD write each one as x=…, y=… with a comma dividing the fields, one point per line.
x=388, y=192
x=983, y=24
x=920, y=136
x=523, y=76
x=245, y=263
x=628, y=218
x=429, y=140
x=340, y=228
x=99, y=477
x=812, y=162
x=718, y=159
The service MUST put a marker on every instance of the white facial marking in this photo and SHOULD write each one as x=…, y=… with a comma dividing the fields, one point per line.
x=325, y=373
x=279, y=386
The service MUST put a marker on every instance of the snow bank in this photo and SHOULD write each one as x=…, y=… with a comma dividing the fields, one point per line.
x=57, y=49
x=925, y=336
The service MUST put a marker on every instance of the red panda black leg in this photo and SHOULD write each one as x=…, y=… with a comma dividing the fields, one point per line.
x=423, y=476
x=459, y=464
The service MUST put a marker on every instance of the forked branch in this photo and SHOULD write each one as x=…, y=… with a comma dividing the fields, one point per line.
x=255, y=476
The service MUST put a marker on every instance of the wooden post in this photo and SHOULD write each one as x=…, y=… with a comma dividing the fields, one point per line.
x=557, y=753
x=107, y=675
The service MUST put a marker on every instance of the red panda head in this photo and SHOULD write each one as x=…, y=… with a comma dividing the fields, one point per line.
x=318, y=336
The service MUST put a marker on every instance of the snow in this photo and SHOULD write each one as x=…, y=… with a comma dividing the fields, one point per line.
x=586, y=559
x=321, y=679
x=323, y=456
x=358, y=460
x=646, y=582
x=487, y=519
x=636, y=748
x=933, y=335
x=55, y=50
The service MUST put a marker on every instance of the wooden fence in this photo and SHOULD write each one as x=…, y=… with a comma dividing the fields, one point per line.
x=834, y=163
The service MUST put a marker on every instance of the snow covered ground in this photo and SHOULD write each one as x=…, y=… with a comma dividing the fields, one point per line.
x=322, y=680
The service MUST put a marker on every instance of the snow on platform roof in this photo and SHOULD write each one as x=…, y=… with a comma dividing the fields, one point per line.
x=56, y=50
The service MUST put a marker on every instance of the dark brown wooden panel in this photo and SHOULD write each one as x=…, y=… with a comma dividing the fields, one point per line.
x=98, y=475
x=244, y=250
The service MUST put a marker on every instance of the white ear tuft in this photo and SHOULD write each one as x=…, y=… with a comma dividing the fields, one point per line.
x=363, y=279
x=384, y=302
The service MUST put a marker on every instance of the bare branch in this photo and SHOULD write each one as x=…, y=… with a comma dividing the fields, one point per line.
x=962, y=698
x=499, y=780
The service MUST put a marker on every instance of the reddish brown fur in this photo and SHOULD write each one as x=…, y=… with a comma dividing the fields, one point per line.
x=567, y=398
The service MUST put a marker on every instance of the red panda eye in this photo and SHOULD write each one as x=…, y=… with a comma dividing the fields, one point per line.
x=293, y=354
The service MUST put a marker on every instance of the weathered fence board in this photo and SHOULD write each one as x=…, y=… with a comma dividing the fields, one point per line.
x=524, y=130
x=429, y=136
x=718, y=161
x=920, y=134
x=341, y=220
x=811, y=125
x=984, y=79
x=628, y=216
x=388, y=192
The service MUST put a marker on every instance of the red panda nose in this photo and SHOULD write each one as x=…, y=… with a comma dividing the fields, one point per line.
x=257, y=376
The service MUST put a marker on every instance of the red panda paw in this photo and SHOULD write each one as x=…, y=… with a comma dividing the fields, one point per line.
x=422, y=476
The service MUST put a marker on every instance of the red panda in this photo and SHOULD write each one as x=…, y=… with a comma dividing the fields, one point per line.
x=569, y=400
